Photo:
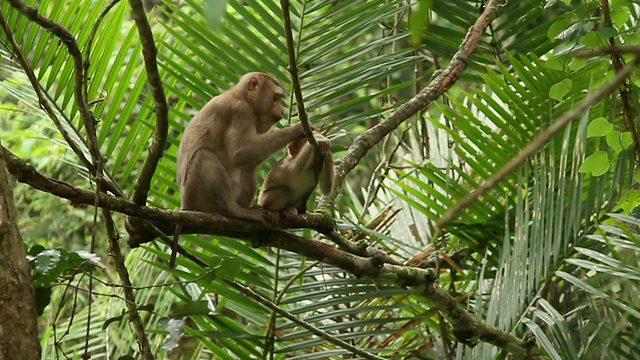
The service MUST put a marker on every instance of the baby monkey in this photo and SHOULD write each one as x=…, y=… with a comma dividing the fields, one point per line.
x=291, y=181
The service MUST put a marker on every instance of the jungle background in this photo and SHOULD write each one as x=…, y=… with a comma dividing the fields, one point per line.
x=541, y=116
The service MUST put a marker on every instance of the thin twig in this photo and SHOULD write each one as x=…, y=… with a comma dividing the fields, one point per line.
x=89, y=44
x=293, y=70
x=615, y=50
x=134, y=315
x=150, y=52
x=42, y=98
x=99, y=170
x=79, y=79
x=544, y=136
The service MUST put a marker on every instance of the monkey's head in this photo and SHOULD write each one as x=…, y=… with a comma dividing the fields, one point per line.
x=264, y=94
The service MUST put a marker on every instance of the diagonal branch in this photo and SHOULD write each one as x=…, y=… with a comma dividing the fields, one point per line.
x=134, y=315
x=422, y=281
x=79, y=79
x=447, y=78
x=543, y=137
x=79, y=92
x=149, y=52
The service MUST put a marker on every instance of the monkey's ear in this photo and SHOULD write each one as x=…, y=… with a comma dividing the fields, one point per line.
x=253, y=83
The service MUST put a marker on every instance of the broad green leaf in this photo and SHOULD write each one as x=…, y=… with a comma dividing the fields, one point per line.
x=596, y=164
x=592, y=39
x=626, y=139
x=599, y=127
x=620, y=15
x=613, y=140
x=228, y=269
x=559, y=90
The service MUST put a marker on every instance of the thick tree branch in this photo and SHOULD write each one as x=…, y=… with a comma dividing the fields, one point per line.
x=543, y=137
x=422, y=281
x=19, y=326
x=92, y=35
x=374, y=266
x=447, y=78
x=195, y=221
x=149, y=52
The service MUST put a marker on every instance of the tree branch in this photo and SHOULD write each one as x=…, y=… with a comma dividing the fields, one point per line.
x=193, y=220
x=447, y=78
x=51, y=112
x=79, y=79
x=374, y=267
x=149, y=52
x=295, y=79
x=127, y=288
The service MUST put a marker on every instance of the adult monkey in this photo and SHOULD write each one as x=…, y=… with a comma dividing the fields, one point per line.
x=223, y=145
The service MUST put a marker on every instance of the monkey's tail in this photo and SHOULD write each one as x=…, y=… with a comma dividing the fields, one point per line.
x=174, y=247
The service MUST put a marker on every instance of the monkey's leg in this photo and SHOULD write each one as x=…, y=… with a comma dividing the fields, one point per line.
x=209, y=188
x=248, y=187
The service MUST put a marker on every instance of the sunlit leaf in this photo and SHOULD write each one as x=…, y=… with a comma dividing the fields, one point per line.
x=596, y=164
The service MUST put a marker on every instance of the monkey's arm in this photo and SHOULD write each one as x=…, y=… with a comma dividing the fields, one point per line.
x=251, y=148
x=304, y=160
x=327, y=174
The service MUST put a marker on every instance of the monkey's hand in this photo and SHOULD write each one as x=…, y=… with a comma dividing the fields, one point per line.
x=272, y=216
x=324, y=144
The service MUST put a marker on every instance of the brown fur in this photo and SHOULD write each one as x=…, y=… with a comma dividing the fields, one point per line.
x=225, y=142
x=291, y=181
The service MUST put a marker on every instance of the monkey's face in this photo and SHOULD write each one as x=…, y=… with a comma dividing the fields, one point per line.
x=269, y=106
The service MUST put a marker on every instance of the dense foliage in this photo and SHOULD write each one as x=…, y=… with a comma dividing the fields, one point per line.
x=550, y=252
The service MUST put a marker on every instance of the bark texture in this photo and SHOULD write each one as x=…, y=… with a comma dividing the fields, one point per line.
x=18, y=317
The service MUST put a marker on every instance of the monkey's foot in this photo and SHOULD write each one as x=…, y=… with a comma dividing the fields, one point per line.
x=271, y=216
x=290, y=212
